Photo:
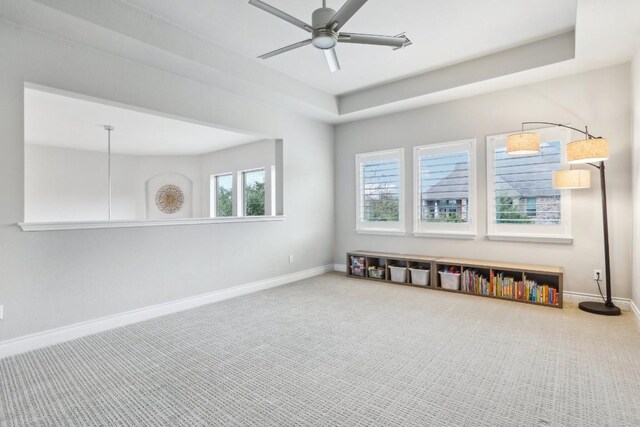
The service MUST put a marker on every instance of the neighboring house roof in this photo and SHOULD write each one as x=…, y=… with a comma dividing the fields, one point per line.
x=453, y=186
x=518, y=182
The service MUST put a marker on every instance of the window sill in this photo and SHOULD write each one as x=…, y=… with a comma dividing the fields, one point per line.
x=445, y=235
x=531, y=238
x=87, y=225
x=380, y=231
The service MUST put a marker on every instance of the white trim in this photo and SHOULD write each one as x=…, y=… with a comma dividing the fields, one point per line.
x=89, y=327
x=533, y=238
x=341, y=268
x=427, y=229
x=563, y=230
x=450, y=235
x=636, y=313
x=380, y=231
x=576, y=297
x=396, y=227
x=85, y=225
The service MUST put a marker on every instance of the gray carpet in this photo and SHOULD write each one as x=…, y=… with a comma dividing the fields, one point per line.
x=337, y=351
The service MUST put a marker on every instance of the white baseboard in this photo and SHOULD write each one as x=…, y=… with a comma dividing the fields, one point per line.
x=636, y=313
x=342, y=268
x=576, y=297
x=78, y=330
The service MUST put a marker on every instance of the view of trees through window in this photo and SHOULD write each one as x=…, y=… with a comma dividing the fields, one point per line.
x=444, y=187
x=224, y=195
x=380, y=191
x=524, y=192
x=253, y=196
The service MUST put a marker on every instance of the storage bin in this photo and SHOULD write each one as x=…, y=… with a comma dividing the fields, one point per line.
x=376, y=272
x=419, y=277
x=449, y=280
x=398, y=274
x=357, y=266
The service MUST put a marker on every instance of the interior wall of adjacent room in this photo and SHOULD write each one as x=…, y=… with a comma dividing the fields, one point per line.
x=54, y=279
x=600, y=99
x=259, y=154
x=63, y=184
x=635, y=77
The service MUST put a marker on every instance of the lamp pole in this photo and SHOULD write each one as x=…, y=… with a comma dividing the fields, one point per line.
x=607, y=308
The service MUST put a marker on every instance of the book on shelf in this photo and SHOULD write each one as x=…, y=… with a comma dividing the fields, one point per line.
x=502, y=286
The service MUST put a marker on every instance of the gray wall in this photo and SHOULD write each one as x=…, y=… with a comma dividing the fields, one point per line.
x=53, y=279
x=600, y=99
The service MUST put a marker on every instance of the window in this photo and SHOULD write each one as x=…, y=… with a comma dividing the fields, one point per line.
x=521, y=199
x=380, y=191
x=444, y=189
x=532, y=207
x=253, y=200
x=222, y=198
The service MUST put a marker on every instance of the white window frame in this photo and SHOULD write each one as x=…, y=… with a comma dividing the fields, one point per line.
x=381, y=227
x=466, y=230
x=240, y=193
x=213, y=194
x=529, y=232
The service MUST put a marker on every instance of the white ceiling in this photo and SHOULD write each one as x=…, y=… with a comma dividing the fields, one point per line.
x=443, y=32
x=69, y=122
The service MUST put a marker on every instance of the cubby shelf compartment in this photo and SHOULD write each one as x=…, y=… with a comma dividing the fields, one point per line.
x=389, y=260
x=550, y=276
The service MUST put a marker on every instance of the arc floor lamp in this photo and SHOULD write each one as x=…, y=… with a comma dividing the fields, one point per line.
x=592, y=151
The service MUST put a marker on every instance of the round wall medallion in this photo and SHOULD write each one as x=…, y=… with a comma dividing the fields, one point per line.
x=169, y=199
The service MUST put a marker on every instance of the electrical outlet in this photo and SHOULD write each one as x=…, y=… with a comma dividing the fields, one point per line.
x=597, y=274
x=290, y=259
x=1, y=311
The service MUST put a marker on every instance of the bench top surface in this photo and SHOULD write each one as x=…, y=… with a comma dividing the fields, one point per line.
x=496, y=265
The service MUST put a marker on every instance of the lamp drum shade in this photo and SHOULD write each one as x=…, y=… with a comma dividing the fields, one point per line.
x=571, y=179
x=588, y=150
x=523, y=144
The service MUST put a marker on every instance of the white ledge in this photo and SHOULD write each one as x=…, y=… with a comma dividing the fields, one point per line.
x=446, y=235
x=531, y=238
x=85, y=225
x=380, y=231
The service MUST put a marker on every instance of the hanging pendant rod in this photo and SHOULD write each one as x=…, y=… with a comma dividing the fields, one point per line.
x=109, y=129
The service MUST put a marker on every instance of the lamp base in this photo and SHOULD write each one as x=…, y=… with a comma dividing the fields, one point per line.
x=599, y=308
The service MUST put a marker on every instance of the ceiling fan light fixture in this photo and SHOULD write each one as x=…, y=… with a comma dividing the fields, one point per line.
x=324, y=42
x=324, y=38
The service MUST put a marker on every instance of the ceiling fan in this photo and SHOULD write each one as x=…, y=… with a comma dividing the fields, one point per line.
x=325, y=30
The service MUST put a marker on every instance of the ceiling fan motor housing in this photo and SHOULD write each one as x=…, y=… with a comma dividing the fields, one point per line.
x=323, y=38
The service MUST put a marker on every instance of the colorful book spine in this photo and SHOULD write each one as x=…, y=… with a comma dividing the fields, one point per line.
x=499, y=285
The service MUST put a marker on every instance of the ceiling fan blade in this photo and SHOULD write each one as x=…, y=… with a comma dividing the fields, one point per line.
x=393, y=41
x=345, y=13
x=332, y=59
x=280, y=14
x=285, y=49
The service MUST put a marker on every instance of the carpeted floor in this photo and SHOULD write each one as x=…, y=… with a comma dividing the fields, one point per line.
x=338, y=351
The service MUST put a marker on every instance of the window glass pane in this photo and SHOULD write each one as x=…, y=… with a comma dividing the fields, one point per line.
x=444, y=187
x=380, y=184
x=524, y=190
x=224, y=195
x=253, y=197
